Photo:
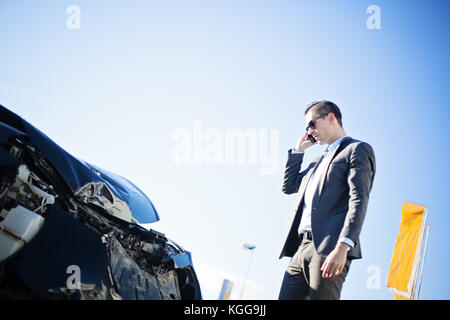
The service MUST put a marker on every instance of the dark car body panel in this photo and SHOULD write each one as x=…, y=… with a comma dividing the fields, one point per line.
x=78, y=247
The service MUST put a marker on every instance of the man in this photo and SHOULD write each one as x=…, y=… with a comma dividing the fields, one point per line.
x=333, y=192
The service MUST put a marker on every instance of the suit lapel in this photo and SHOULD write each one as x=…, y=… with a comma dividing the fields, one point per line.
x=327, y=162
x=302, y=188
x=301, y=193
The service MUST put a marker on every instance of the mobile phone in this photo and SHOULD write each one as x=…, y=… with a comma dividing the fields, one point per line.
x=311, y=138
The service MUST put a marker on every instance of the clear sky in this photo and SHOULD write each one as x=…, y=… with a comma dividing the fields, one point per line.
x=155, y=90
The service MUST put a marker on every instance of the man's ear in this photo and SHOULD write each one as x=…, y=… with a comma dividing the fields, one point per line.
x=332, y=117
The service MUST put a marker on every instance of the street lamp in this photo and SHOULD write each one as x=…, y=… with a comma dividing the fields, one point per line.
x=249, y=247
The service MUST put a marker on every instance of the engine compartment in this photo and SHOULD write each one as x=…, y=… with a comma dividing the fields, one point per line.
x=136, y=264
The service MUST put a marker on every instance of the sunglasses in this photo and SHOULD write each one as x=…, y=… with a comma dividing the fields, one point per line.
x=312, y=124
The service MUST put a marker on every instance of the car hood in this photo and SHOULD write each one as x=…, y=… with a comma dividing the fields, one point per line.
x=76, y=172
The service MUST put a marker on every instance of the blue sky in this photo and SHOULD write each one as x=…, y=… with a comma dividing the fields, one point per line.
x=114, y=92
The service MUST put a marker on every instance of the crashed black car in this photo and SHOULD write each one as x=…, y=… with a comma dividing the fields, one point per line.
x=70, y=230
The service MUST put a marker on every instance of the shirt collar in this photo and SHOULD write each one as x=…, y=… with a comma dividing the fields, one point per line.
x=333, y=146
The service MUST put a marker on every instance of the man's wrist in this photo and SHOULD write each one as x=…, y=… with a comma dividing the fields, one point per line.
x=348, y=241
x=342, y=246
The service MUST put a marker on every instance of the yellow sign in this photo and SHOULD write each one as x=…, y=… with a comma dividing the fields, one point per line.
x=225, y=293
x=405, y=260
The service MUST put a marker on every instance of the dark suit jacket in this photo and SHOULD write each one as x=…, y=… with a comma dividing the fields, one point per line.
x=340, y=202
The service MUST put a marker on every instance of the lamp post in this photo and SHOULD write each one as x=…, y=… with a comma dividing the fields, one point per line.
x=249, y=247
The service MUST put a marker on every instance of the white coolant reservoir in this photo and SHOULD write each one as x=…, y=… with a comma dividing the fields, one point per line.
x=18, y=227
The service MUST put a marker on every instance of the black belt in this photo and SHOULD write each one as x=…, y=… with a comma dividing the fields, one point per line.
x=305, y=235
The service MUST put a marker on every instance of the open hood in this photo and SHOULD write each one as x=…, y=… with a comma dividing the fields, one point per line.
x=115, y=193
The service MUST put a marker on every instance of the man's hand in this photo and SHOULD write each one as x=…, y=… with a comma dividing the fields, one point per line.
x=335, y=261
x=303, y=143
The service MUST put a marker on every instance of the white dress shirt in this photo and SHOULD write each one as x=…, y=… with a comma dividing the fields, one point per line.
x=305, y=223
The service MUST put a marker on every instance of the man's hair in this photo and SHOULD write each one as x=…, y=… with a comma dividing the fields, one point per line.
x=325, y=107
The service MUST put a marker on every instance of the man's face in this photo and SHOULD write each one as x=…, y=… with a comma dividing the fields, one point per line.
x=319, y=126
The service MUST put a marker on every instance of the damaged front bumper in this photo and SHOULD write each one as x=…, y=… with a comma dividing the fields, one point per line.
x=69, y=230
